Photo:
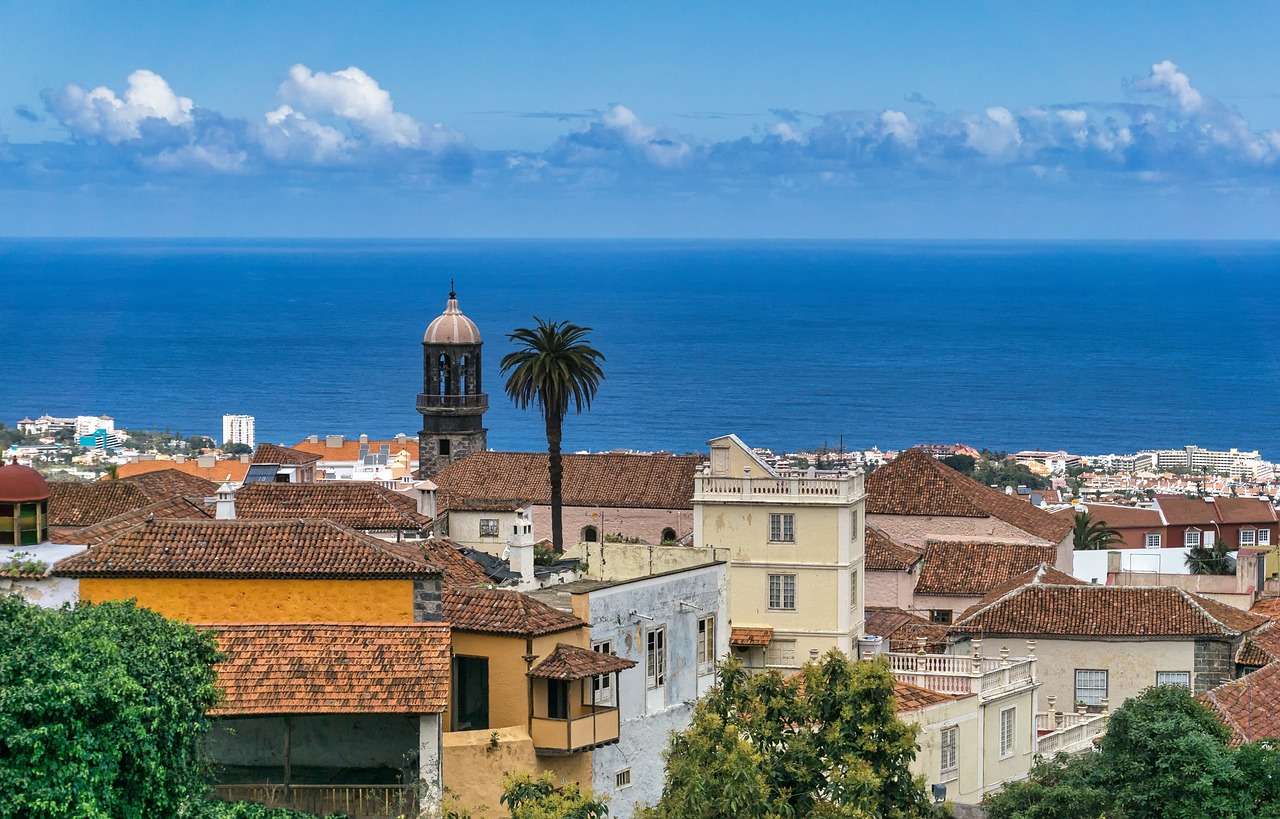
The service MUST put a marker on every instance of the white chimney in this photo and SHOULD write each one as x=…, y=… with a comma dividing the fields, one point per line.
x=333, y=441
x=426, y=491
x=225, y=505
x=205, y=461
x=520, y=557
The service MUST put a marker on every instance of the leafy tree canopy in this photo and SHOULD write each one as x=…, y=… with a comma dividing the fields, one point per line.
x=1164, y=756
x=825, y=743
x=1088, y=533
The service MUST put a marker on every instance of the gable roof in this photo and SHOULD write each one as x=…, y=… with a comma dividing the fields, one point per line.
x=349, y=450
x=1086, y=610
x=1116, y=516
x=1045, y=573
x=76, y=504
x=243, y=548
x=1261, y=646
x=341, y=668
x=1267, y=607
x=503, y=611
x=904, y=628
x=973, y=569
x=612, y=480
x=170, y=482
x=449, y=557
x=916, y=483
x=228, y=469
x=358, y=504
x=1182, y=510
x=1248, y=705
x=276, y=454
x=883, y=553
x=176, y=508
x=568, y=662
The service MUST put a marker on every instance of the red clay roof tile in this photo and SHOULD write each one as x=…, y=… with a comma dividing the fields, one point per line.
x=568, y=662
x=973, y=569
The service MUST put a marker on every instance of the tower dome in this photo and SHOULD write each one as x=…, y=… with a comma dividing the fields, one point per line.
x=452, y=326
x=19, y=484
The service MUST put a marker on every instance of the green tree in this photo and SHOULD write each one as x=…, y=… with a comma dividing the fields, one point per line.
x=1164, y=756
x=237, y=449
x=963, y=464
x=555, y=367
x=1215, y=559
x=825, y=743
x=542, y=798
x=1088, y=533
x=102, y=712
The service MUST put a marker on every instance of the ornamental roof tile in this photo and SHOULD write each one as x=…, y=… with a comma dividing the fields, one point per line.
x=1267, y=607
x=1261, y=647
x=883, y=553
x=902, y=629
x=176, y=508
x=503, y=611
x=1247, y=705
x=243, y=548
x=610, y=480
x=77, y=504
x=973, y=569
x=910, y=697
x=314, y=668
x=568, y=662
x=358, y=504
x=747, y=636
x=916, y=483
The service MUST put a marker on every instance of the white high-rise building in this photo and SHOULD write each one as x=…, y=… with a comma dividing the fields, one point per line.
x=238, y=429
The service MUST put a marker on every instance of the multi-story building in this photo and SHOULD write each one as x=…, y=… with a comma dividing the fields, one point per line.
x=238, y=429
x=45, y=424
x=795, y=549
x=1055, y=462
x=391, y=461
x=1233, y=462
x=452, y=401
x=89, y=424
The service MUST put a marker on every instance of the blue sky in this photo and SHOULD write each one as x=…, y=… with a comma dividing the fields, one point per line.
x=728, y=119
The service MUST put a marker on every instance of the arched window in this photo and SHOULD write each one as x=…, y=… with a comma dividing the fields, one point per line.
x=462, y=375
x=668, y=535
x=446, y=375
x=589, y=534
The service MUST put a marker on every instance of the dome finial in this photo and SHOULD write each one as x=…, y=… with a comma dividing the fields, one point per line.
x=452, y=292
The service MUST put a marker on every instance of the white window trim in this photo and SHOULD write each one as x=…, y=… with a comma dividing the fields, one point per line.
x=1075, y=679
x=782, y=592
x=1191, y=538
x=655, y=663
x=617, y=776
x=706, y=645
x=1264, y=537
x=782, y=528
x=1149, y=537
x=1187, y=674
x=1253, y=537
x=1013, y=732
x=945, y=773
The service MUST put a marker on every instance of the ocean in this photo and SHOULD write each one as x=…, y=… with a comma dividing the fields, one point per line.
x=1090, y=347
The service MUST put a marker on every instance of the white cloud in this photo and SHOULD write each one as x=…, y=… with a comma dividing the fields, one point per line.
x=290, y=134
x=100, y=113
x=354, y=96
x=787, y=132
x=899, y=126
x=201, y=157
x=996, y=135
x=1167, y=79
x=666, y=152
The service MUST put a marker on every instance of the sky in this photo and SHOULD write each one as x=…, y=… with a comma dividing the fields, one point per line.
x=745, y=119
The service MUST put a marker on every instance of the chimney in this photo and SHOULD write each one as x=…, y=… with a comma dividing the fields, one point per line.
x=333, y=441
x=520, y=556
x=364, y=439
x=313, y=439
x=400, y=438
x=205, y=461
x=225, y=505
x=1113, y=568
x=426, y=492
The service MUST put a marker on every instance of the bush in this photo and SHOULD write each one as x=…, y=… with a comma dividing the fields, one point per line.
x=214, y=809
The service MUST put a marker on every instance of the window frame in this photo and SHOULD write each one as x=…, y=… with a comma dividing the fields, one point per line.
x=782, y=591
x=655, y=658
x=493, y=527
x=1186, y=674
x=778, y=660
x=705, y=652
x=947, y=772
x=1106, y=685
x=786, y=520
x=1147, y=537
x=1260, y=540
x=1011, y=749
x=602, y=684
x=1253, y=537
x=1188, y=541
x=619, y=777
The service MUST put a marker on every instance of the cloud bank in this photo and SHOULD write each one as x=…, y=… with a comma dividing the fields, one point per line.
x=326, y=127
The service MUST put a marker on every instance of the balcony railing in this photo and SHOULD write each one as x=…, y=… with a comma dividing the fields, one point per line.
x=985, y=676
x=365, y=801
x=1068, y=732
x=478, y=401
x=807, y=487
x=565, y=736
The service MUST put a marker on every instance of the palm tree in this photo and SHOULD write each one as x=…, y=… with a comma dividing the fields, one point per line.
x=553, y=366
x=1092, y=534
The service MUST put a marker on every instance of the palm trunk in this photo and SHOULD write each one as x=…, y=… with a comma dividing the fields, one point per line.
x=555, y=470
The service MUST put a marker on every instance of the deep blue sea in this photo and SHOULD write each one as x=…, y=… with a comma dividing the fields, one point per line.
x=1089, y=347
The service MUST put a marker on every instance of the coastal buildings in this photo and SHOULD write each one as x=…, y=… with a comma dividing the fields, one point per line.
x=209, y=467
x=272, y=463
x=239, y=429
x=795, y=548
x=391, y=462
x=452, y=401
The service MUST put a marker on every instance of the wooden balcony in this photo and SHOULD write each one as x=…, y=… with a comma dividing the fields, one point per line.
x=597, y=726
x=356, y=801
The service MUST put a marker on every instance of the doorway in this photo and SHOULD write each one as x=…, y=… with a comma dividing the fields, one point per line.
x=471, y=693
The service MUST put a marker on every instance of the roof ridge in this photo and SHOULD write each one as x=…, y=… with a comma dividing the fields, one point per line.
x=419, y=624
x=1195, y=600
x=981, y=607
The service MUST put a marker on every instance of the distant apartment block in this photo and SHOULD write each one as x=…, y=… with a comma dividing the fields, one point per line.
x=45, y=424
x=89, y=424
x=238, y=429
x=1055, y=462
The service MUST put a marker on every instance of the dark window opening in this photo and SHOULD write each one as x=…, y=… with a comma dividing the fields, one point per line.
x=557, y=699
x=589, y=534
x=941, y=616
x=668, y=535
x=471, y=693
x=444, y=446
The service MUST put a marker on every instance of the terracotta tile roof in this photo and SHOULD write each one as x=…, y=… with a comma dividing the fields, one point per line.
x=1105, y=611
x=459, y=570
x=973, y=569
x=916, y=483
x=177, y=508
x=910, y=697
x=276, y=454
x=489, y=505
x=1181, y=510
x=1043, y=574
x=168, y=483
x=902, y=629
x=313, y=668
x=1244, y=510
x=503, y=611
x=229, y=469
x=614, y=480
x=358, y=504
x=883, y=553
x=1267, y=607
x=350, y=448
x=84, y=504
x=747, y=636
x=244, y=548
x=1120, y=517
x=1261, y=646
x=568, y=662
x=1248, y=705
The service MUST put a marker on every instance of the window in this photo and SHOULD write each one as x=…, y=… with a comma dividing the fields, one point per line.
x=1091, y=685
x=1264, y=537
x=781, y=652
x=602, y=684
x=706, y=645
x=1182, y=678
x=782, y=592
x=589, y=534
x=950, y=740
x=940, y=616
x=853, y=590
x=668, y=535
x=1152, y=540
x=557, y=699
x=442, y=446
x=1248, y=536
x=622, y=779
x=1008, y=730
x=488, y=527
x=1191, y=537
x=782, y=528
x=655, y=658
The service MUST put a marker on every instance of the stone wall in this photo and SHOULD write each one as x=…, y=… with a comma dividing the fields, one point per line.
x=1213, y=664
x=426, y=600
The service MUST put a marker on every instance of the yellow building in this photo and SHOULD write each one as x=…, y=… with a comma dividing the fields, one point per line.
x=795, y=551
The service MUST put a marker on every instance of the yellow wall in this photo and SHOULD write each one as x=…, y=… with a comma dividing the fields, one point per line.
x=202, y=600
x=744, y=530
x=475, y=765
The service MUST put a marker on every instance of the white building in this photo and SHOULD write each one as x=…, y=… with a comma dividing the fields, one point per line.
x=44, y=424
x=238, y=429
x=89, y=424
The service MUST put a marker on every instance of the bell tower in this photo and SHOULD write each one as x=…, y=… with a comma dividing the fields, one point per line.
x=452, y=401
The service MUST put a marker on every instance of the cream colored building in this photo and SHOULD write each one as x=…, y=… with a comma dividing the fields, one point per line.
x=795, y=551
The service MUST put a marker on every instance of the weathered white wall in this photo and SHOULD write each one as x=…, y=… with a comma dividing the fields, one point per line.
x=890, y=588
